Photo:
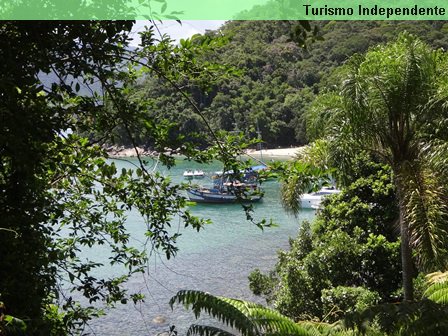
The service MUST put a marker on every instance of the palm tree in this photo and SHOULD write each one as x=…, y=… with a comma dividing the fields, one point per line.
x=393, y=104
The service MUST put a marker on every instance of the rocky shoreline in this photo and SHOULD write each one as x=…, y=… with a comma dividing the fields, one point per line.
x=127, y=152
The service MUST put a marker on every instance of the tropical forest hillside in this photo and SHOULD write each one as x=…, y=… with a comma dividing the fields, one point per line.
x=277, y=78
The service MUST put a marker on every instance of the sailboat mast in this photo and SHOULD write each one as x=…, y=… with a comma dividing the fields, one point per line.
x=260, y=142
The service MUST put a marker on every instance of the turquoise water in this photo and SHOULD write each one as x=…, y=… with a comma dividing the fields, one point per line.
x=218, y=260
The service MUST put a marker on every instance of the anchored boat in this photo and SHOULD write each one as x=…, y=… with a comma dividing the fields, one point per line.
x=229, y=192
x=190, y=174
x=313, y=200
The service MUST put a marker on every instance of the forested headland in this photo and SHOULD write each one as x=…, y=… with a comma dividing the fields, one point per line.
x=277, y=79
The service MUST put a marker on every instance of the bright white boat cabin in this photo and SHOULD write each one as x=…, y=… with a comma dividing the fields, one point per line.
x=313, y=200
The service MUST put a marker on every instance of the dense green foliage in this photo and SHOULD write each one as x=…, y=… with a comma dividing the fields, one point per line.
x=425, y=317
x=392, y=102
x=249, y=319
x=279, y=78
x=60, y=196
x=10, y=325
x=342, y=300
x=352, y=243
x=37, y=162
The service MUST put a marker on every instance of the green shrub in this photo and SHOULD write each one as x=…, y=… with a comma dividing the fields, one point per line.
x=339, y=301
x=352, y=243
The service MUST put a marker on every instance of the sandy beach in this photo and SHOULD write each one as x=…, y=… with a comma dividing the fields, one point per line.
x=281, y=153
x=275, y=153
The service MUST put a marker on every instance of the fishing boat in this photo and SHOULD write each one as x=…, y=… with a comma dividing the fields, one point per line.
x=229, y=192
x=190, y=174
x=313, y=200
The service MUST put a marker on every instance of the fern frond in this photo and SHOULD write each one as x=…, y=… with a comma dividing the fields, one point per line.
x=438, y=292
x=202, y=330
x=273, y=323
x=247, y=317
x=324, y=329
x=243, y=306
x=225, y=310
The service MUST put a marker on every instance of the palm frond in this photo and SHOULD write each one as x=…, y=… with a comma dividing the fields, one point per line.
x=299, y=178
x=322, y=115
x=436, y=277
x=291, y=190
x=426, y=204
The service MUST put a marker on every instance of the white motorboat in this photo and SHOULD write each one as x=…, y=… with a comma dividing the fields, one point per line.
x=313, y=200
x=193, y=174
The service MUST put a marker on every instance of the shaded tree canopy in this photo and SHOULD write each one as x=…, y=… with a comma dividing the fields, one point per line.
x=65, y=87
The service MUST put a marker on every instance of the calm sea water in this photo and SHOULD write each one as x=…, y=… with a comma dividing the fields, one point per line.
x=217, y=260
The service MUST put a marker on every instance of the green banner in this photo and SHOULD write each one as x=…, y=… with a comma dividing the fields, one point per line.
x=223, y=10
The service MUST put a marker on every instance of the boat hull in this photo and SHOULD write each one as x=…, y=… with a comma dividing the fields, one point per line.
x=309, y=201
x=314, y=200
x=216, y=197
